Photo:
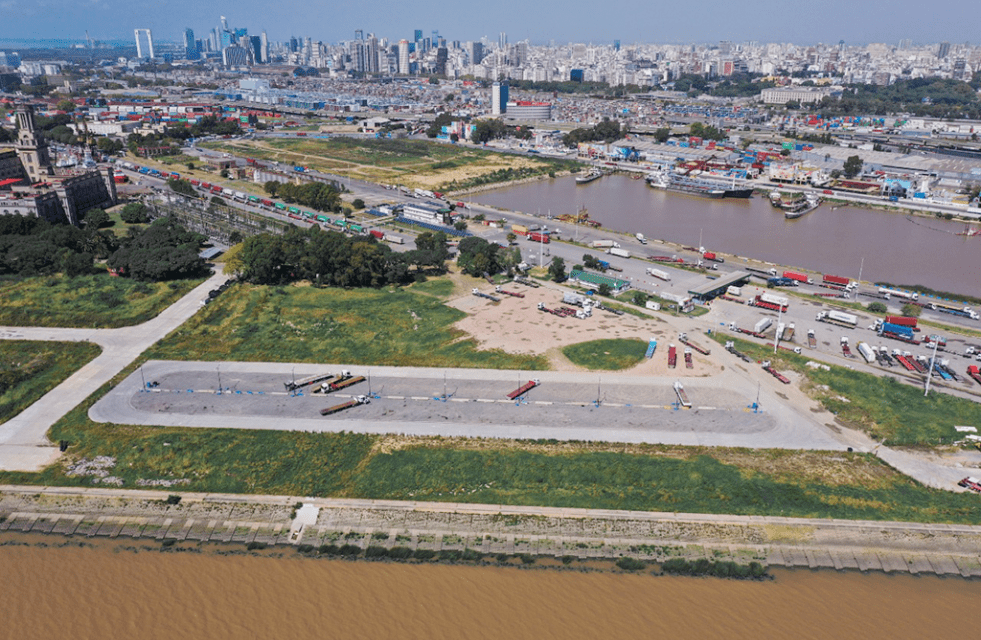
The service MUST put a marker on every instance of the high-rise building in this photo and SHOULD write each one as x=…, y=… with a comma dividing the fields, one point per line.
x=944, y=50
x=190, y=46
x=476, y=52
x=442, y=55
x=499, y=98
x=616, y=45
x=294, y=45
x=418, y=36
x=264, y=48
x=234, y=56
x=905, y=44
x=255, y=49
x=502, y=41
x=140, y=51
x=404, y=57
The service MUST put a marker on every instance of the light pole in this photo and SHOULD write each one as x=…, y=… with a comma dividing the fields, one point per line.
x=933, y=361
x=776, y=337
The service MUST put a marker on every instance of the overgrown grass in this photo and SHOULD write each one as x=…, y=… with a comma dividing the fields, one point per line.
x=305, y=324
x=698, y=482
x=97, y=301
x=887, y=409
x=29, y=369
x=608, y=355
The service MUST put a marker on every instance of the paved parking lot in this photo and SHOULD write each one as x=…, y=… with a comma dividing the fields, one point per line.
x=411, y=401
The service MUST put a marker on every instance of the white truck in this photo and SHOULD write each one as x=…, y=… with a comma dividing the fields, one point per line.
x=838, y=317
x=603, y=244
x=896, y=293
x=616, y=251
x=660, y=274
x=762, y=325
x=641, y=238
x=866, y=352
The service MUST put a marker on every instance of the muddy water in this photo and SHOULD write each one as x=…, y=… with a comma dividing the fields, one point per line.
x=894, y=249
x=109, y=593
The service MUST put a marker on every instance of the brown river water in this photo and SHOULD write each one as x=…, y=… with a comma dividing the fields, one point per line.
x=925, y=252
x=108, y=592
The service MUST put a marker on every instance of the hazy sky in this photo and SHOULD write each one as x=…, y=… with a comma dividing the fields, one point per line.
x=540, y=21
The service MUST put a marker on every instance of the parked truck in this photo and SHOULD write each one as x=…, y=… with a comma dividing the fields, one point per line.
x=603, y=244
x=536, y=236
x=799, y=277
x=767, y=300
x=896, y=293
x=641, y=239
x=343, y=384
x=866, y=352
x=616, y=251
x=839, y=318
x=836, y=281
x=672, y=356
x=733, y=290
x=903, y=321
x=711, y=255
x=811, y=339
x=660, y=274
x=781, y=282
x=345, y=405
x=523, y=389
x=762, y=325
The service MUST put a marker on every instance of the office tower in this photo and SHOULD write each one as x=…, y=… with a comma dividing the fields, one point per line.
x=418, y=36
x=944, y=50
x=499, y=98
x=616, y=45
x=190, y=46
x=404, y=57
x=264, y=48
x=502, y=41
x=149, y=43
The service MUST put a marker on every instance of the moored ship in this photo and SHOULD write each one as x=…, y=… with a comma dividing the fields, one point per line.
x=701, y=185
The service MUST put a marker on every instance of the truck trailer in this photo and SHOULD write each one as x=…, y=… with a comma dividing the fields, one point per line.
x=838, y=317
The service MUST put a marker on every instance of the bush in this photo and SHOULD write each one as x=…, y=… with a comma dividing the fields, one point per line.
x=472, y=555
x=96, y=218
x=329, y=549
x=374, y=551
x=172, y=499
x=169, y=542
x=877, y=307
x=349, y=550
x=305, y=548
x=527, y=558
x=358, y=204
x=630, y=564
x=423, y=554
x=450, y=555
x=567, y=559
x=400, y=553
x=254, y=546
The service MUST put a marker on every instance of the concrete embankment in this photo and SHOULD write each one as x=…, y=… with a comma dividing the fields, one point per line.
x=789, y=542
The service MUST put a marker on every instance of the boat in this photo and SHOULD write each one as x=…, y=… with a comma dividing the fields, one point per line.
x=800, y=207
x=589, y=177
x=698, y=186
x=969, y=232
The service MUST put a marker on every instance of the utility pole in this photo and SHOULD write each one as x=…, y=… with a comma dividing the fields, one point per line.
x=776, y=337
x=860, y=267
x=933, y=361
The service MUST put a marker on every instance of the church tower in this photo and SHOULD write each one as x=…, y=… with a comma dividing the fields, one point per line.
x=33, y=152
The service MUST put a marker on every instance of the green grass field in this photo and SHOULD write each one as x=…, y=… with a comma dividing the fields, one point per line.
x=393, y=160
x=29, y=369
x=891, y=411
x=306, y=324
x=98, y=301
x=607, y=355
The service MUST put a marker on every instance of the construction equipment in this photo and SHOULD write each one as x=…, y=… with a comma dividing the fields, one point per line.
x=345, y=405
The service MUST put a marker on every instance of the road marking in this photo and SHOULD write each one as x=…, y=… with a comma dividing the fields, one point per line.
x=543, y=402
x=420, y=397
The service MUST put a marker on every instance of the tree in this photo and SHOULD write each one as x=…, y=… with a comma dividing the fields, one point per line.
x=181, y=186
x=163, y=250
x=911, y=310
x=96, y=218
x=877, y=307
x=640, y=298
x=358, y=204
x=460, y=225
x=134, y=213
x=271, y=187
x=65, y=105
x=853, y=166
x=604, y=290
x=511, y=237
x=662, y=135
x=556, y=270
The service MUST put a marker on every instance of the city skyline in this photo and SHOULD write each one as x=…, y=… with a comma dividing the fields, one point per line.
x=632, y=22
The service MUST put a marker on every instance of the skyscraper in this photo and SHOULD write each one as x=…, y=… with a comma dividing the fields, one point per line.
x=148, y=53
x=944, y=50
x=499, y=98
x=418, y=36
x=264, y=48
x=190, y=46
x=404, y=57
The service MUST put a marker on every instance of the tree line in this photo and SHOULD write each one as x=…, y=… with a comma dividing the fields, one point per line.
x=331, y=258
x=322, y=196
x=161, y=251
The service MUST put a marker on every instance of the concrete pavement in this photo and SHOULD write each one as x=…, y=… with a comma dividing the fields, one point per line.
x=23, y=442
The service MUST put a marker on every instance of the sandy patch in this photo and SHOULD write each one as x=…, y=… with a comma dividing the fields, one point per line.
x=515, y=325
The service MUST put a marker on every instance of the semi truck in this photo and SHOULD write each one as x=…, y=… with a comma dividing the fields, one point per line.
x=836, y=281
x=660, y=274
x=616, y=251
x=710, y=255
x=902, y=320
x=343, y=384
x=799, y=277
x=839, y=318
x=543, y=238
x=762, y=325
x=603, y=244
x=781, y=282
x=866, y=352
x=767, y=300
x=896, y=293
x=344, y=405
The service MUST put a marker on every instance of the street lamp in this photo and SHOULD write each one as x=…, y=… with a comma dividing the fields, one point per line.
x=933, y=362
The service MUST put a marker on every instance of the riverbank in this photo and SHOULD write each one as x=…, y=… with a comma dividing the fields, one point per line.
x=583, y=535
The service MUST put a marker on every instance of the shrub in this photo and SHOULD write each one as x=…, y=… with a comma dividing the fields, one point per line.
x=329, y=549
x=450, y=555
x=527, y=558
x=567, y=559
x=630, y=564
x=253, y=546
x=349, y=550
x=472, y=555
x=173, y=499
x=423, y=554
x=305, y=548
x=400, y=553
x=169, y=542
x=375, y=551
